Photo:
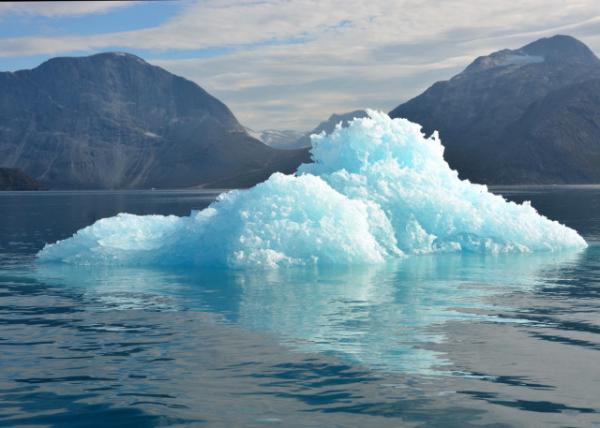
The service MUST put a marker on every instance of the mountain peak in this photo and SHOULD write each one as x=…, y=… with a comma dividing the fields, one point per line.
x=551, y=50
x=112, y=120
x=526, y=115
x=122, y=58
x=117, y=56
x=560, y=48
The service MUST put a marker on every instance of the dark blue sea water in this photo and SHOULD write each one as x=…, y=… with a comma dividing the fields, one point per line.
x=440, y=341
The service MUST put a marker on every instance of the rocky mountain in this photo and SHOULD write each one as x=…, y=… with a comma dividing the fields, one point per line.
x=114, y=121
x=530, y=115
x=14, y=179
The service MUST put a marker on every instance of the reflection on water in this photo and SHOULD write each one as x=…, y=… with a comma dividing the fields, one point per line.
x=379, y=316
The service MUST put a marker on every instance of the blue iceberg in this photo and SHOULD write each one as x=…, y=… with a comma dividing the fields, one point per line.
x=377, y=190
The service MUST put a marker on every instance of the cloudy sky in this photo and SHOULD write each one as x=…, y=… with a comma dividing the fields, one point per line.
x=289, y=64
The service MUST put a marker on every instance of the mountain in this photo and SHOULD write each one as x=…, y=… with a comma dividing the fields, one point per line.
x=329, y=125
x=290, y=140
x=14, y=179
x=112, y=121
x=278, y=139
x=530, y=115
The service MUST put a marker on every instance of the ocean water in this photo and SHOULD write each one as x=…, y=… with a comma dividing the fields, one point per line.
x=431, y=340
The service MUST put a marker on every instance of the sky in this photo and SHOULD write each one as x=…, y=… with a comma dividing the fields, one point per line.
x=290, y=64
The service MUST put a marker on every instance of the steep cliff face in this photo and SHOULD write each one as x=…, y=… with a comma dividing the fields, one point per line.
x=528, y=115
x=114, y=121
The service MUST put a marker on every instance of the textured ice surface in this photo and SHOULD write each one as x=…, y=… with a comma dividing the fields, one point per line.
x=377, y=190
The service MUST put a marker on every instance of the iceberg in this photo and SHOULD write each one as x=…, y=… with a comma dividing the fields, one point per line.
x=377, y=190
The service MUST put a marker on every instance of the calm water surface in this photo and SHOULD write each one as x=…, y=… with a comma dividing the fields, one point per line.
x=440, y=341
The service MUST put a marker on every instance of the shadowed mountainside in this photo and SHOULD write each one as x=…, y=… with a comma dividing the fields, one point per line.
x=113, y=121
x=530, y=115
x=14, y=179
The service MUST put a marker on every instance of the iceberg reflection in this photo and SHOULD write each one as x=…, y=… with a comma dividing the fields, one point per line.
x=382, y=316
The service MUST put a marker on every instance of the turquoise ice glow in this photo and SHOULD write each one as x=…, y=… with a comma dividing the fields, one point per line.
x=377, y=190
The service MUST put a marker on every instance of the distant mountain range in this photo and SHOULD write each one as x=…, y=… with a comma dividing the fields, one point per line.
x=113, y=121
x=109, y=121
x=278, y=139
x=298, y=140
x=530, y=115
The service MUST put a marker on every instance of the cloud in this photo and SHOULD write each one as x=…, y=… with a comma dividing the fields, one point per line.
x=293, y=63
x=60, y=8
x=333, y=23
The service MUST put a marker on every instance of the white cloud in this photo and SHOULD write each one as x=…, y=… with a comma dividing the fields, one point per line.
x=352, y=53
x=60, y=8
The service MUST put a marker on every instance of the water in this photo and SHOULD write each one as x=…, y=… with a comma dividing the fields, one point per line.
x=448, y=340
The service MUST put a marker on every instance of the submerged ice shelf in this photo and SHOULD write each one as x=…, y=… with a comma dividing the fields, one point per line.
x=376, y=190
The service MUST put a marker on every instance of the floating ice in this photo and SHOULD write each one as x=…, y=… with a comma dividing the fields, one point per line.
x=377, y=190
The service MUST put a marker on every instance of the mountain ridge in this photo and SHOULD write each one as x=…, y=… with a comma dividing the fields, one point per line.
x=112, y=120
x=289, y=140
x=489, y=115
